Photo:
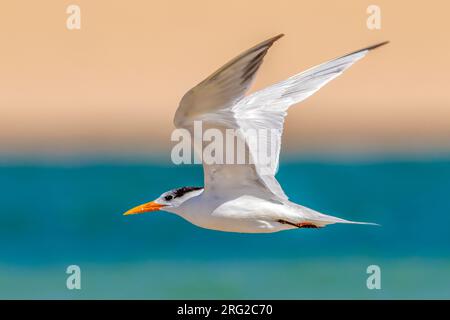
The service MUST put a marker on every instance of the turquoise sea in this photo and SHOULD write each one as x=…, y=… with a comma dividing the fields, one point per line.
x=53, y=216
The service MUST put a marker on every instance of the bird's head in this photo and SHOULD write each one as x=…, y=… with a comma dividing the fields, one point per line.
x=170, y=199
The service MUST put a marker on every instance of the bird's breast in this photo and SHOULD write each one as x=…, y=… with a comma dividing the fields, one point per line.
x=243, y=214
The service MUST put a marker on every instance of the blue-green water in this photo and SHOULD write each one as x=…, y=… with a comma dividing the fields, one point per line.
x=55, y=216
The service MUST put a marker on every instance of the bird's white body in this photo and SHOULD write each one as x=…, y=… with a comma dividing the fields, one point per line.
x=247, y=197
x=248, y=214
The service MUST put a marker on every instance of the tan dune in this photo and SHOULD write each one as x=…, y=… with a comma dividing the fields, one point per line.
x=114, y=85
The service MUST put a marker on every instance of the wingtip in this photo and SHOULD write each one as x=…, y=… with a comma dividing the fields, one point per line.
x=377, y=45
x=265, y=45
x=366, y=49
x=278, y=36
x=270, y=41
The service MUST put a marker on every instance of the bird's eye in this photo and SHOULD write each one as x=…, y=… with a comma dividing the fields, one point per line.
x=168, y=198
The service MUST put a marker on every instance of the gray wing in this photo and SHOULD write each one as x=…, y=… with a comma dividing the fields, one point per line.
x=267, y=108
x=224, y=87
x=220, y=103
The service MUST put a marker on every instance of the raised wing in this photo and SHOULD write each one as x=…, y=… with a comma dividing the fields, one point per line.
x=224, y=87
x=267, y=108
x=219, y=103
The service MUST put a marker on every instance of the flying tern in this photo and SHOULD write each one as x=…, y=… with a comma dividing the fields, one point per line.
x=246, y=197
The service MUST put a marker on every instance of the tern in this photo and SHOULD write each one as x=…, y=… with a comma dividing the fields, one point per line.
x=247, y=198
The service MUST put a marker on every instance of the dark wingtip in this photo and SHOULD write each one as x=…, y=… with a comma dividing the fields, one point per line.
x=376, y=45
x=272, y=40
x=278, y=36
x=269, y=42
x=367, y=48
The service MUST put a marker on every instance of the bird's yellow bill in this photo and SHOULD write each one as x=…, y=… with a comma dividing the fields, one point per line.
x=146, y=207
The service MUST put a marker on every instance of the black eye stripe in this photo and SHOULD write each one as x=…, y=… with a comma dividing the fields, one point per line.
x=168, y=198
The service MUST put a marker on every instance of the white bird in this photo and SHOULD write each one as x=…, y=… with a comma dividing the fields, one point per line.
x=247, y=197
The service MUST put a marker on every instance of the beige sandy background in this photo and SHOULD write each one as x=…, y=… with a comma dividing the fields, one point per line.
x=113, y=86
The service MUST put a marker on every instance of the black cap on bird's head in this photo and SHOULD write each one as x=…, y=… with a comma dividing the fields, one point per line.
x=172, y=198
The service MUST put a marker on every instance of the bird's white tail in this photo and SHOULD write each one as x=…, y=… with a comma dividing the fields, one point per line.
x=321, y=220
x=332, y=220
